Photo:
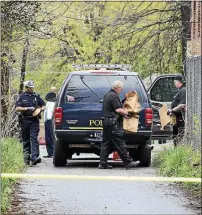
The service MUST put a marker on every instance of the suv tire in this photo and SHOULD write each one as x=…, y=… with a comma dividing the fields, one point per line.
x=134, y=154
x=145, y=156
x=59, y=155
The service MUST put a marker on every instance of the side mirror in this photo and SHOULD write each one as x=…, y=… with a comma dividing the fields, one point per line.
x=51, y=97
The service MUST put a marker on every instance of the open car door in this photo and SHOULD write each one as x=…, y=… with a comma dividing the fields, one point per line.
x=161, y=91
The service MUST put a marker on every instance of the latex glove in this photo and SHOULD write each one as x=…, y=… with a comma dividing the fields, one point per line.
x=70, y=99
x=170, y=111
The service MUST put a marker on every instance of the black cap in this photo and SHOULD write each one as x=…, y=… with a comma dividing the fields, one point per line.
x=180, y=78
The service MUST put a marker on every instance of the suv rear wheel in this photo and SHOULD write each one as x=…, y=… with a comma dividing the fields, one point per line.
x=142, y=154
x=59, y=158
x=134, y=154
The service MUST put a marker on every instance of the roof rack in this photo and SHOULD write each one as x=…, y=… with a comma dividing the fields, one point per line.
x=124, y=67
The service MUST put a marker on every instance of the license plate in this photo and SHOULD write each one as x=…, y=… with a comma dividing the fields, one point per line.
x=97, y=134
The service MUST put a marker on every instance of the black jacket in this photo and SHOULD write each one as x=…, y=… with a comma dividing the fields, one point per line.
x=180, y=97
x=111, y=102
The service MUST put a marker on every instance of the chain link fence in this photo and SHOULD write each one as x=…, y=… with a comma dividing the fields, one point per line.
x=193, y=116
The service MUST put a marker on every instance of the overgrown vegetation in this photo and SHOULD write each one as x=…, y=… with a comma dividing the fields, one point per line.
x=182, y=161
x=57, y=34
x=12, y=162
x=41, y=40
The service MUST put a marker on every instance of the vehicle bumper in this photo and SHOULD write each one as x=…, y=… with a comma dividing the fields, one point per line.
x=159, y=134
x=80, y=136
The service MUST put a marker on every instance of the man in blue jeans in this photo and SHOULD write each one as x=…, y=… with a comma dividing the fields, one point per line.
x=48, y=115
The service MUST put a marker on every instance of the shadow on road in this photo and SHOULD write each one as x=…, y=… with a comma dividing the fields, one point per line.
x=73, y=164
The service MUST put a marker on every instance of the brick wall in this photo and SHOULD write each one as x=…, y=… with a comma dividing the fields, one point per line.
x=194, y=46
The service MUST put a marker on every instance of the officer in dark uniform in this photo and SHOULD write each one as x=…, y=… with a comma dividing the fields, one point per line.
x=178, y=109
x=112, y=128
x=26, y=104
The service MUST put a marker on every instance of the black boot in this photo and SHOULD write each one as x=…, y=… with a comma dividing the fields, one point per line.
x=35, y=162
x=132, y=164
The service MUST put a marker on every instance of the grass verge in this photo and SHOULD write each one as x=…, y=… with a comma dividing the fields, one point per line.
x=180, y=162
x=12, y=162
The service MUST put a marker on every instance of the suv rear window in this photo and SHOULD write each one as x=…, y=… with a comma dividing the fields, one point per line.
x=92, y=88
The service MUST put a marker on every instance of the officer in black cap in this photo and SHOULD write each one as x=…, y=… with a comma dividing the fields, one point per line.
x=27, y=103
x=178, y=108
x=113, y=114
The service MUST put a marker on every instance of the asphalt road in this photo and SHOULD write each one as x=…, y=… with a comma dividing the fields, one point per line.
x=49, y=196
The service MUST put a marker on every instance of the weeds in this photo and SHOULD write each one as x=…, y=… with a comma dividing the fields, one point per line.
x=181, y=161
x=12, y=162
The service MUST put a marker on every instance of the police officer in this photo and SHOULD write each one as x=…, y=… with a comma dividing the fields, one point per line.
x=112, y=128
x=178, y=109
x=26, y=104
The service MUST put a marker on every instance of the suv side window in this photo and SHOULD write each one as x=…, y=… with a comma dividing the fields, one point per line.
x=163, y=90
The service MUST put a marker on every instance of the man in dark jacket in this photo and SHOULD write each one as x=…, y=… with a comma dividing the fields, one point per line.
x=26, y=104
x=112, y=128
x=178, y=109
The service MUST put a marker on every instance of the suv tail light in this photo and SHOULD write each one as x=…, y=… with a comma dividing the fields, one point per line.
x=148, y=116
x=58, y=115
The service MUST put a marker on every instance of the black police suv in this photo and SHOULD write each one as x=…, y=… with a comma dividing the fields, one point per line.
x=78, y=115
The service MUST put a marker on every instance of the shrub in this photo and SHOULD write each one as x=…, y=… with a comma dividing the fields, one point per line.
x=181, y=161
x=12, y=162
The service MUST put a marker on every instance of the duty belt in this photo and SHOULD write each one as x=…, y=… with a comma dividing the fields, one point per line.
x=29, y=117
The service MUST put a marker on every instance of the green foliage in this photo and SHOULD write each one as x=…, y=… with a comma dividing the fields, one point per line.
x=16, y=18
x=145, y=35
x=12, y=162
x=181, y=161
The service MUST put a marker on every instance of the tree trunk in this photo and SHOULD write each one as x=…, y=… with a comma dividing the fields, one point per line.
x=4, y=84
x=186, y=32
x=23, y=66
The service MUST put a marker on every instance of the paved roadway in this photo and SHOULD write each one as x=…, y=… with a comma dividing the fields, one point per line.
x=49, y=196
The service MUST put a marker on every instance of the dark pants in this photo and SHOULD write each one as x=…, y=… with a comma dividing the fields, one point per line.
x=30, y=131
x=178, y=130
x=49, y=137
x=113, y=141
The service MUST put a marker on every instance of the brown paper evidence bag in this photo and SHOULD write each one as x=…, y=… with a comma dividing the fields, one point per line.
x=133, y=106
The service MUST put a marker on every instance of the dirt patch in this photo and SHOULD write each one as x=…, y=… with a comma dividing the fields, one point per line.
x=17, y=201
x=194, y=198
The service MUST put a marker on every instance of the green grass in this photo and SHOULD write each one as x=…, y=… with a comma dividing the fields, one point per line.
x=182, y=161
x=12, y=162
